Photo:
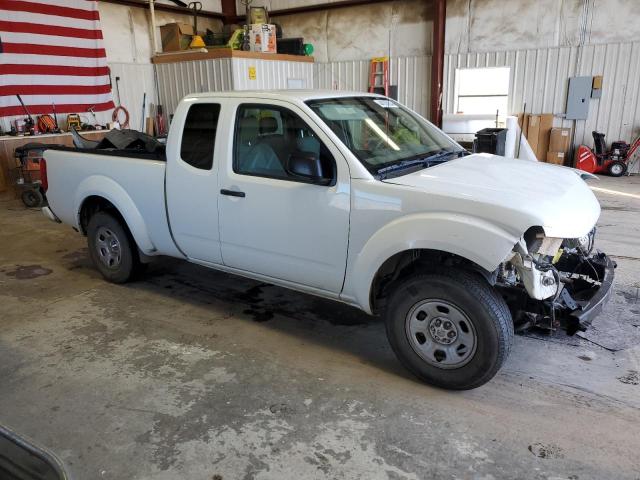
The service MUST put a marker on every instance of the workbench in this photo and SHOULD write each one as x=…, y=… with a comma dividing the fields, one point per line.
x=8, y=145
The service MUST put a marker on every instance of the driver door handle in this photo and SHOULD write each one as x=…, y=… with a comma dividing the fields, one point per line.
x=232, y=193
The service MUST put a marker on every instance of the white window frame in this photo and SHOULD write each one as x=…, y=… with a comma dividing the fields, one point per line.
x=458, y=96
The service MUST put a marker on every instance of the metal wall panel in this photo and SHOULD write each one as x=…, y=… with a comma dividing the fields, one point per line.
x=136, y=79
x=412, y=75
x=540, y=78
x=270, y=74
x=176, y=80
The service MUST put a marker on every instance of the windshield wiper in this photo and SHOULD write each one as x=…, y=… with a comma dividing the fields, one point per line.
x=423, y=161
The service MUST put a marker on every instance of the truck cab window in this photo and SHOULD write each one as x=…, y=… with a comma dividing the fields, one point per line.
x=199, y=135
x=267, y=136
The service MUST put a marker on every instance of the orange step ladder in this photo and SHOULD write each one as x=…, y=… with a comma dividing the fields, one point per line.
x=379, y=67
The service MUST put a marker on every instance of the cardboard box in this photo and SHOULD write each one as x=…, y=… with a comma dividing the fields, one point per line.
x=262, y=38
x=556, y=158
x=559, y=139
x=538, y=132
x=533, y=132
x=176, y=36
x=597, y=82
x=546, y=124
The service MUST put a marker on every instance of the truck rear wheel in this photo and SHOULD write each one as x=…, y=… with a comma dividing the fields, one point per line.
x=111, y=249
x=449, y=328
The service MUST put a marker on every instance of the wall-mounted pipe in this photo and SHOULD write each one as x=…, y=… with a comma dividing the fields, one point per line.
x=152, y=13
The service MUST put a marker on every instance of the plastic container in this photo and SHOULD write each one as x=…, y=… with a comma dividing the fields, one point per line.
x=490, y=140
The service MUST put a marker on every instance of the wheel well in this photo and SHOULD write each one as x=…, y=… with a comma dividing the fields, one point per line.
x=408, y=262
x=94, y=204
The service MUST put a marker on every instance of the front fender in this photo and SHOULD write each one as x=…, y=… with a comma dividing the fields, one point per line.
x=469, y=237
x=107, y=188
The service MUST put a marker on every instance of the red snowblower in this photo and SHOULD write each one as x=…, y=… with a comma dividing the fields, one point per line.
x=614, y=161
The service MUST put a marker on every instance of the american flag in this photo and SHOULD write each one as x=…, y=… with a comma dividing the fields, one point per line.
x=51, y=52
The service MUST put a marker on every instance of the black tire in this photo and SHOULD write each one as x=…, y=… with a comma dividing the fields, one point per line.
x=117, y=265
x=32, y=198
x=617, y=168
x=481, y=306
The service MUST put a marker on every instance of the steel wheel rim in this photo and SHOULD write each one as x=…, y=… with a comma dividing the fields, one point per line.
x=616, y=169
x=108, y=248
x=441, y=334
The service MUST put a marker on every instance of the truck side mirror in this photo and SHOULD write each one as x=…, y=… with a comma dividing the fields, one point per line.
x=307, y=166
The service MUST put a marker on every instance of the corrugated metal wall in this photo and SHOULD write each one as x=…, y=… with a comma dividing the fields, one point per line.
x=135, y=80
x=540, y=78
x=411, y=74
x=271, y=74
x=175, y=80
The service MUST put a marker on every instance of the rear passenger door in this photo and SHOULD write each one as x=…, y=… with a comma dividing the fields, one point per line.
x=192, y=180
x=276, y=224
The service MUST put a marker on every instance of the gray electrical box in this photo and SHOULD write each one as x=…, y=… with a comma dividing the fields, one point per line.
x=578, y=98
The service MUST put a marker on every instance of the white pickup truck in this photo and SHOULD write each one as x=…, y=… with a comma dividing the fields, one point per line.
x=355, y=198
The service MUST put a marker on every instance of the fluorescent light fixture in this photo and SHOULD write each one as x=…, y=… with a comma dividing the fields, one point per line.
x=381, y=134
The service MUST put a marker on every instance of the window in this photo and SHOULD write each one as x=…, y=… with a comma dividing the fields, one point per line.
x=266, y=138
x=199, y=135
x=482, y=90
x=380, y=132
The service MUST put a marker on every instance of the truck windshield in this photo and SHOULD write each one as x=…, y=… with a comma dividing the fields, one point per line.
x=383, y=135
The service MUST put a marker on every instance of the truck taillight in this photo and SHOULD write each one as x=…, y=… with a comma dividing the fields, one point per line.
x=44, y=181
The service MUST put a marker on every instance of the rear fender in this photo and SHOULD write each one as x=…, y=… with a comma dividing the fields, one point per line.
x=481, y=242
x=105, y=187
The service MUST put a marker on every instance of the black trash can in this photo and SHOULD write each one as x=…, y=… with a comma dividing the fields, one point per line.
x=490, y=140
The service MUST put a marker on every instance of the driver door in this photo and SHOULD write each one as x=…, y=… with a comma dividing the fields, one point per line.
x=273, y=223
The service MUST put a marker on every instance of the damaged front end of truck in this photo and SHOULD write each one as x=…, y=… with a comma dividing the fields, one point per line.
x=553, y=283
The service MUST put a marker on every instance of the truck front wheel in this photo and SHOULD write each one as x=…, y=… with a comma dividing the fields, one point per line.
x=110, y=247
x=449, y=328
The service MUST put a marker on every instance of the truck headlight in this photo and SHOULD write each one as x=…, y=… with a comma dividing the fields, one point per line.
x=584, y=243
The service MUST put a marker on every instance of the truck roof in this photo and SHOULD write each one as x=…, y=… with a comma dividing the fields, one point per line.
x=284, y=94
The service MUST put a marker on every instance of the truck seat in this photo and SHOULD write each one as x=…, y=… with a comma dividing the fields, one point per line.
x=309, y=144
x=268, y=126
x=247, y=135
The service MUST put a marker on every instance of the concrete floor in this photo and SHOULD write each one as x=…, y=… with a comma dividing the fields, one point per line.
x=194, y=374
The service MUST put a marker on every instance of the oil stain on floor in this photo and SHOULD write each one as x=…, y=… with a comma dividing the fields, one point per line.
x=28, y=272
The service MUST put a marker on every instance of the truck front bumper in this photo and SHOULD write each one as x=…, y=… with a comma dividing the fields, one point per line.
x=587, y=285
x=589, y=300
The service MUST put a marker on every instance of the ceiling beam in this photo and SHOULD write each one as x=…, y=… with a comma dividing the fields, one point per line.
x=165, y=8
x=315, y=8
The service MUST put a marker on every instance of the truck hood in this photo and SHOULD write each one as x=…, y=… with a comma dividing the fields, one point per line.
x=516, y=194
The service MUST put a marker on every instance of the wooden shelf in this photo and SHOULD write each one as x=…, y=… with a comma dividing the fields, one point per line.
x=204, y=54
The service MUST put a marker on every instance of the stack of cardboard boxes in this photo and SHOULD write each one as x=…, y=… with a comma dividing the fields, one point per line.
x=549, y=144
x=558, y=145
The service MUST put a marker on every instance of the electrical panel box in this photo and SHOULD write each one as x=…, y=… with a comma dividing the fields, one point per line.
x=578, y=98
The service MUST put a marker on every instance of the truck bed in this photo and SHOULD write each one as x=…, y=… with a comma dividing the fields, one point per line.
x=132, y=181
x=159, y=155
